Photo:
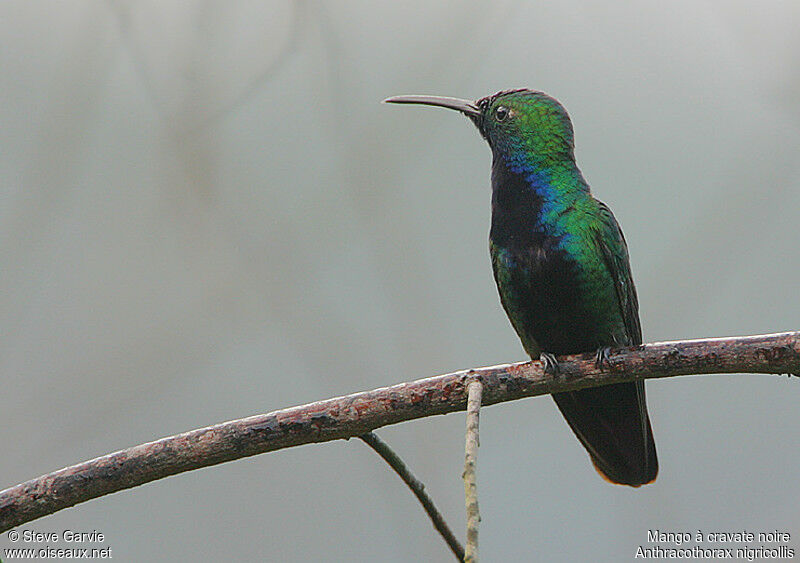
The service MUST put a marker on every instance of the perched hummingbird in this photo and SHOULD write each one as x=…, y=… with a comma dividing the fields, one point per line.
x=562, y=270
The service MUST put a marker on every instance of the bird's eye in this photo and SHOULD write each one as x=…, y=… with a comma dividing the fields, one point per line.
x=501, y=113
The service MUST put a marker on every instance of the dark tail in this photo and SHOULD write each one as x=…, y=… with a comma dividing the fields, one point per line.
x=612, y=424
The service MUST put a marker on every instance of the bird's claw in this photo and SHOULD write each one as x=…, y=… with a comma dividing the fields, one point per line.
x=601, y=358
x=549, y=364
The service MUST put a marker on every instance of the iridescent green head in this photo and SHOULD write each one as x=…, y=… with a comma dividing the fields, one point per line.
x=524, y=126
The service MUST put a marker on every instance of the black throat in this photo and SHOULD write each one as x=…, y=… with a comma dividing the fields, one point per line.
x=515, y=210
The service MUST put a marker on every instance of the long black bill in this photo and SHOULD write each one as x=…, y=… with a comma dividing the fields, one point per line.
x=464, y=106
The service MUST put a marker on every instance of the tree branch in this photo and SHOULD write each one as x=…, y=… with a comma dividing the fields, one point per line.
x=394, y=461
x=356, y=414
x=474, y=392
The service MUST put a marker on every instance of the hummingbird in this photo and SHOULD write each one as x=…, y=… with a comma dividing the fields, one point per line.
x=562, y=270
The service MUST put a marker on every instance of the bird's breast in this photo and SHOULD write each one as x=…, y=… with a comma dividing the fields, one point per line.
x=543, y=290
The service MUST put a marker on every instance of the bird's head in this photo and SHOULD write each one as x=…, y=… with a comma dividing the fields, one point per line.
x=519, y=125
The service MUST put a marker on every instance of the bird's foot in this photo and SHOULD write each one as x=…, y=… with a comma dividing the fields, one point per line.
x=549, y=364
x=601, y=358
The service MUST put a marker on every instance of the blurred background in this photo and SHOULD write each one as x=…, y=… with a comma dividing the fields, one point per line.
x=206, y=213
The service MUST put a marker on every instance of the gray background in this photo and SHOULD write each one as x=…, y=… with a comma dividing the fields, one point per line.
x=206, y=213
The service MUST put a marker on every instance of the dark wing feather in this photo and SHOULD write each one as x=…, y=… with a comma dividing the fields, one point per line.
x=614, y=250
x=611, y=421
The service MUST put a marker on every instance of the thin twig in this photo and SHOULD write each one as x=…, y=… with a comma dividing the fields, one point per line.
x=474, y=392
x=353, y=415
x=418, y=488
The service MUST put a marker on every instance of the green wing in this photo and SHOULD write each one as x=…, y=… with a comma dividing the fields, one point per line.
x=611, y=421
x=614, y=250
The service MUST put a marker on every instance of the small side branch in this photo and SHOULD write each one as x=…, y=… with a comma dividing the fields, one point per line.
x=353, y=415
x=474, y=392
x=394, y=461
